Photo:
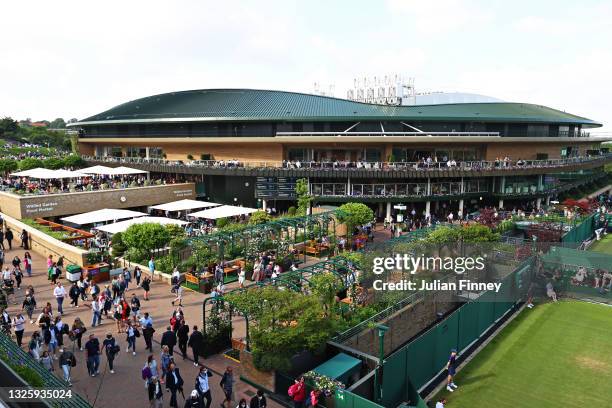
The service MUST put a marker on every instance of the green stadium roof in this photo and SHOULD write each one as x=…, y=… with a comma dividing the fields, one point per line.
x=262, y=105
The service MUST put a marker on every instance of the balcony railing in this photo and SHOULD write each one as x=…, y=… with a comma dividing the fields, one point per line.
x=398, y=189
x=425, y=165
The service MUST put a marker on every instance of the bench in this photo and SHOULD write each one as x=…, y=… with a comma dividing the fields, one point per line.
x=192, y=279
x=309, y=250
x=238, y=344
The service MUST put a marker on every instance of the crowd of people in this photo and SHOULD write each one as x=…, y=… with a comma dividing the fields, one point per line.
x=26, y=185
x=59, y=345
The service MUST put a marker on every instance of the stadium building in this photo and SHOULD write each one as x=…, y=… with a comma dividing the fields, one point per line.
x=250, y=146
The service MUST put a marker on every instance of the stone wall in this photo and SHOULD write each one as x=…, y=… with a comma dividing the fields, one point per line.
x=45, y=245
x=51, y=205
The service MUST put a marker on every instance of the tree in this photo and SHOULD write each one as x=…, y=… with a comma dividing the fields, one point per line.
x=8, y=165
x=8, y=126
x=355, y=214
x=303, y=197
x=325, y=286
x=30, y=163
x=259, y=217
x=74, y=161
x=53, y=163
x=146, y=237
x=58, y=123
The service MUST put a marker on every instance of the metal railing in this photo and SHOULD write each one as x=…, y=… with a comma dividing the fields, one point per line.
x=425, y=165
x=17, y=356
x=390, y=134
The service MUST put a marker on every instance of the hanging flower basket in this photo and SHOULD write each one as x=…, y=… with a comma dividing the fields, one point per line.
x=323, y=383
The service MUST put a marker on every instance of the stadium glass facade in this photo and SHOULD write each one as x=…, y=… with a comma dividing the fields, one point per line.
x=250, y=146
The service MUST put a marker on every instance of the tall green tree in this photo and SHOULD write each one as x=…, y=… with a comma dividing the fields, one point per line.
x=354, y=215
x=303, y=196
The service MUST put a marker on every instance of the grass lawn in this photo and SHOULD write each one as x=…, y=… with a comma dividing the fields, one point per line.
x=604, y=245
x=555, y=355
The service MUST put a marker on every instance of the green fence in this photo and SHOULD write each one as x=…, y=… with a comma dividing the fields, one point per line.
x=423, y=358
x=346, y=399
x=582, y=231
x=18, y=356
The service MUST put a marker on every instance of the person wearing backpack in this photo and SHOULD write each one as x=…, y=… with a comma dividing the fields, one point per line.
x=297, y=392
x=67, y=360
x=110, y=347
x=132, y=333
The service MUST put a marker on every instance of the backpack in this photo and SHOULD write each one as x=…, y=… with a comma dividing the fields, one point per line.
x=146, y=372
x=291, y=390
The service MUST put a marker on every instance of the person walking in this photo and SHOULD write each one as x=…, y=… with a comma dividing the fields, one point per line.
x=227, y=383
x=110, y=348
x=59, y=292
x=147, y=334
x=25, y=239
x=47, y=361
x=74, y=294
x=165, y=359
x=132, y=333
x=18, y=275
x=66, y=362
x=152, y=266
x=8, y=235
x=29, y=304
x=1, y=238
x=61, y=330
x=96, y=312
x=146, y=286
x=193, y=401
x=137, y=275
x=93, y=355
x=258, y=400
x=182, y=334
x=156, y=393
x=203, y=386
x=127, y=278
x=179, y=295
x=78, y=329
x=54, y=273
x=19, y=327
x=135, y=305
x=27, y=263
x=174, y=383
x=169, y=339
x=195, y=342
x=34, y=346
x=451, y=368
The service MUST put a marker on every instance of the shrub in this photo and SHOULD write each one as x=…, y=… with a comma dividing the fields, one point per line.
x=118, y=245
x=259, y=217
x=291, y=211
x=30, y=163
x=146, y=237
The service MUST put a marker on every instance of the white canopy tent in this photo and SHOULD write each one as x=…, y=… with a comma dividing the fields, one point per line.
x=223, y=212
x=122, y=170
x=184, y=205
x=99, y=170
x=103, y=215
x=121, y=226
x=48, y=174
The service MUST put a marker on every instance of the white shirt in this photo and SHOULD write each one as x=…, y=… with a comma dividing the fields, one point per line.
x=439, y=405
x=59, y=291
x=6, y=275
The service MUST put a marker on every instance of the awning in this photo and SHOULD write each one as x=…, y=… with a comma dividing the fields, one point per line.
x=223, y=212
x=100, y=170
x=121, y=226
x=122, y=170
x=105, y=214
x=48, y=174
x=183, y=205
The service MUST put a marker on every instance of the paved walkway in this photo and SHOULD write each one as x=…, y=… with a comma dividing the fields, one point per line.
x=125, y=387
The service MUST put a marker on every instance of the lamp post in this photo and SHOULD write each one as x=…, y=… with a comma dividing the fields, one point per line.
x=382, y=329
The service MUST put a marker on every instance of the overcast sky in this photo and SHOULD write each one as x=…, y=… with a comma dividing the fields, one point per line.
x=77, y=58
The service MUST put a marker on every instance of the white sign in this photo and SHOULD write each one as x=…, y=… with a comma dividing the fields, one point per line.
x=400, y=207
